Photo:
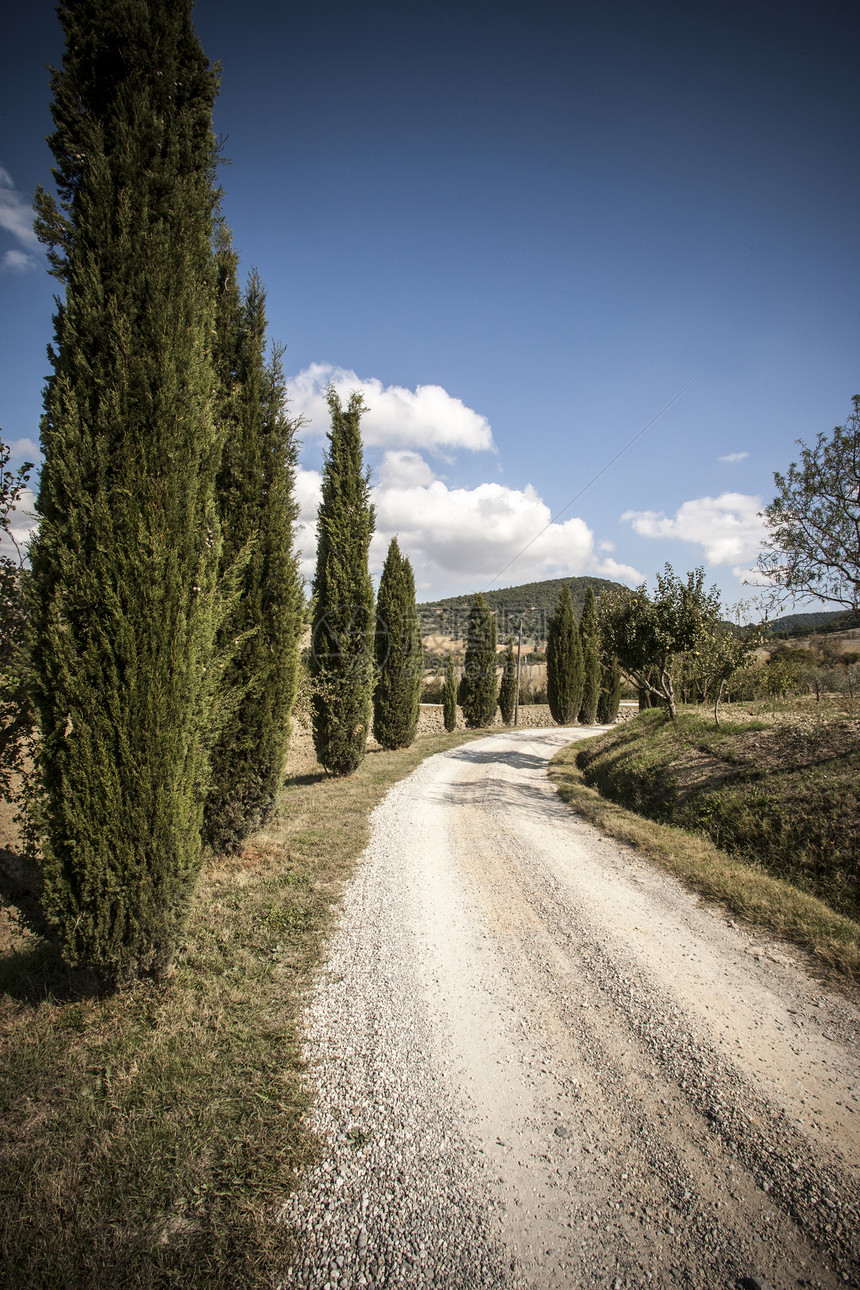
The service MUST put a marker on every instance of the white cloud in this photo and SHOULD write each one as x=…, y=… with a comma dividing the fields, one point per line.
x=16, y=213
x=427, y=417
x=619, y=572
x=24, y=450
x=462, y=538
x=404, y=470
x=17, y=262
x=726, y=527
x=734, y=456
x=307, y=494
x=22, y=524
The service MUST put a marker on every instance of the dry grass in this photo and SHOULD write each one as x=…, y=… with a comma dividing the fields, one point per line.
x=150, y=1137
x=739, y=883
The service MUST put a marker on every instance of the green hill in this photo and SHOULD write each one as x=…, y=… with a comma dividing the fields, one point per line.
x=803, y=624
x=532, y=602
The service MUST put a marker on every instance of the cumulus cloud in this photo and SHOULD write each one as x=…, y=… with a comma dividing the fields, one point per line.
x=734, y=456
x=17, y=262
x=727, y=527
x=308, y=491
x=16, y=217
x=619, y=572
x=427, y=417
x=462, y=538
x=24, y=450
x=22, y=524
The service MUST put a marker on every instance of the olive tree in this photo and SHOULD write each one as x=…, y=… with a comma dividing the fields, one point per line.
x=813, y=542
x=648, y=635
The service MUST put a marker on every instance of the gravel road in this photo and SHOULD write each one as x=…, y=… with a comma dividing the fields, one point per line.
x=542, y=1063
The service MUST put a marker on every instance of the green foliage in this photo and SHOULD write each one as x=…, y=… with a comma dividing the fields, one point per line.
x=16, y=713
x=124, y=568
x=813, y=544
x=590, y=636
x=449, y=696
x=399, y=654
x=782, y=796
x=609, y=699
x=565, y=671
x=259, y=640
x=342, y=637
x=508, y=687
x=479, y=690
x=648, y=634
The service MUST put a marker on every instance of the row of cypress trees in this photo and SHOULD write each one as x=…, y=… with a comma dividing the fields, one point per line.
x=165, y=598
x=583, y=683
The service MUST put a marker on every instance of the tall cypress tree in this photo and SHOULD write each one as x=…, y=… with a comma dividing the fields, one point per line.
x=399, y=654
x=449, y=696
x=610, y=690
x=590, y=637
x=125, y=565
x=257, y=511
x=342, y=637
x=508, y=687
x=480, y=690
x=564, y=666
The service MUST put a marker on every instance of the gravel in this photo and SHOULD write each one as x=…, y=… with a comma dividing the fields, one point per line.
x=540, y=1062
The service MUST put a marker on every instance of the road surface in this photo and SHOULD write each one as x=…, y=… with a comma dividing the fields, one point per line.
x=542, y=1063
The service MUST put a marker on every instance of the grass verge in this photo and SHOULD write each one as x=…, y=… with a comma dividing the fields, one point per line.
x=739, y=883
x=150, y=1137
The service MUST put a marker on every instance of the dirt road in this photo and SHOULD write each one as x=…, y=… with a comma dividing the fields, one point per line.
x=543, y=1063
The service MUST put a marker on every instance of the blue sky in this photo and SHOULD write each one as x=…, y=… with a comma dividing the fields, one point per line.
x=523, y=231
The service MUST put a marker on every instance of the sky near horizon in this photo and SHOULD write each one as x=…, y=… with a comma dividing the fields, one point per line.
x=594, y=270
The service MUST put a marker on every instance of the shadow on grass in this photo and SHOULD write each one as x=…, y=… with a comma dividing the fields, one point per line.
x=309, y=777
x=37, y=974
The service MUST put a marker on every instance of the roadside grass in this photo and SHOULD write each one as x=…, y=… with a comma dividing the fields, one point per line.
x=760, y=815
x=151, y=1136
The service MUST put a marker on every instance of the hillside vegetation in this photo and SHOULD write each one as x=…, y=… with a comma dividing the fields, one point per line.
x=760, y=815
x=540, y=599
x=779, y=794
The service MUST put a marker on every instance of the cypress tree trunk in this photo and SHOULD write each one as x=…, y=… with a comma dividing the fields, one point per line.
x=257, y=511
x=480, y=693
x=565, y=673
x=590, y=637
x=508, y=687
x=124, y=568
x=449, y=696
x=399, y=654
x=342, y=639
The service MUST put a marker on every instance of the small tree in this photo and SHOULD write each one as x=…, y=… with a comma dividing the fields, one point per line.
x=449, y=697
x=342, y=634
x=590, y=635
x=16, y=713
x=609, y=700
x=648, y=634
x=813, y=543
x=480, y=692
x=399, y=654
x=508, y=687
x=565, y=673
